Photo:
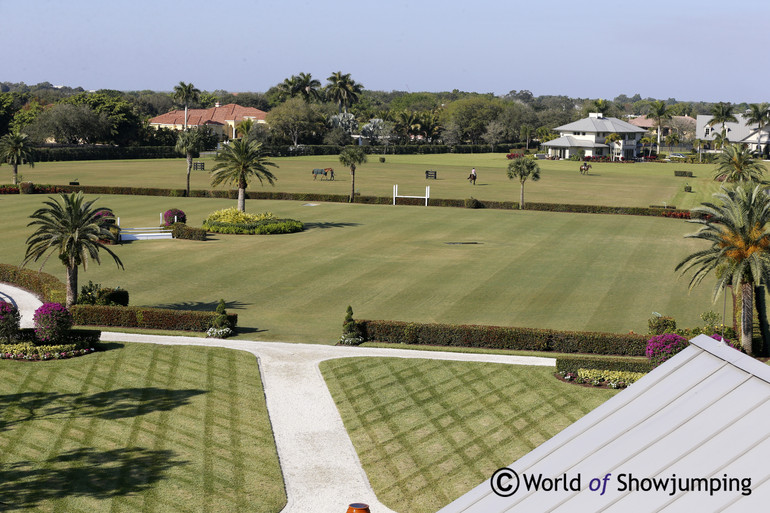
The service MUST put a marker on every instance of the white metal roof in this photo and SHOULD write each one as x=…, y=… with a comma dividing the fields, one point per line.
x=595, y=124
x=704, y=414
x=568, y=141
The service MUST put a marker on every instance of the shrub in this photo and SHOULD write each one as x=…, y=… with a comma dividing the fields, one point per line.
x=220, y=323
x=9, y=321
x=573, y=364
x=94, y=294
x=659, y=324
x=473, y=203
x=615, y=379
x=52, y=321
x=174, y=215
x=662, y=347
x=150, y=318
x=263, y=227
x=182, y=231
x=351, y=333
x=234, y=216
x=43, y=284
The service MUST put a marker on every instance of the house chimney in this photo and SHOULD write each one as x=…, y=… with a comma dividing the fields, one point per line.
x=596, y=115
x=216, y=105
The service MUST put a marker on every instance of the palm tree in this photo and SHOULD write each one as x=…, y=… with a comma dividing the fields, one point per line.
x=523, y=168
x=672, y=139
x=352, y=156
x=722, y=113
x=15, y=149
x=739, y=254
x=601, y=106
x=342, y=90
x=238, y=164
x=74, y=231
x=659, y=111
x=307, y=87
x=610, y=141
x=189, y=142
x=186, y=94
x=647, y=141
x=758, y=113
x=735, y=164
x=526, y=132
x=698, y=143
x=244, y=127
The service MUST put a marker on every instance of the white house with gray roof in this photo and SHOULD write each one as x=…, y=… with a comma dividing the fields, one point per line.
x=740, y=132
x=690, y=436
x=589, y=134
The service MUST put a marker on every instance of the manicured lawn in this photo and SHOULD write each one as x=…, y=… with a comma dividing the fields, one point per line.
x=137, y=428
x=427, y=431
x=612, y=184
x=534, y=269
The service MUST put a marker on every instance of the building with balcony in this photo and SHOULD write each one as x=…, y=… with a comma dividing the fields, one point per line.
x=589, y=136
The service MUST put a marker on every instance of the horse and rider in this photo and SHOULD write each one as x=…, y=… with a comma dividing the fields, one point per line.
x=584, y=168
x=472, y=176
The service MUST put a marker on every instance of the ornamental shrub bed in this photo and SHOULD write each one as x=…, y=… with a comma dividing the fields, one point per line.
x=572, y=364
x=9, y=189
x=263, y=227
x=499, y=337
x=43, y=284
x=182, y=231
x=150, y=318
x=75, y=342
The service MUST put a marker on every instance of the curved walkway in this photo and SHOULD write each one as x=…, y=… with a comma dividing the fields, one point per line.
x=320, y=466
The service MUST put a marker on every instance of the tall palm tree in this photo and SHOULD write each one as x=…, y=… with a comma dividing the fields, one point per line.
x=239, y=163
x=672, y=139
x=698, y=143
x=659, y=111
x=647, y=141
x=15, y=149
x=601, y=106
x=342, y=90
x=189, y=142
x=526, y=132
x=739, y=253
x=735, y=164
x=523, y=168
x=74, y=231
x=308, y=87
x=722, y=113
x=352, y=156
x=759, y=114
x=186, y=94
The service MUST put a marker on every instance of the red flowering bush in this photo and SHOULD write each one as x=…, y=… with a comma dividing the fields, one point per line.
x=174, y=215
x=52, y=322
x=512, y=156
x=662, y=347
x=9, y=320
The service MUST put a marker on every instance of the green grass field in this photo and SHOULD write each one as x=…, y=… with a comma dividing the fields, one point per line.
x=535, y=269
x=427, y=431
x=631, y=185
x=138, y=428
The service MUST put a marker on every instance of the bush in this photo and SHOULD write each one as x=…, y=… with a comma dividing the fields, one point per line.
x=659, y=324
x=182, y=231
x=573, y=364
x=351, y=333
x=264, y=227
x=150, y=318
x=94, y=294
x=473, y=203
x=614, y=379
x=52, y=321
x=234, y=216
x=174, y=215
x=9, y=321
x=45, y=285
x=220, y=324
x=662, y=347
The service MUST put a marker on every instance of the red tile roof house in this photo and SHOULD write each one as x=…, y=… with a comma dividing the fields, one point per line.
x=222, y=119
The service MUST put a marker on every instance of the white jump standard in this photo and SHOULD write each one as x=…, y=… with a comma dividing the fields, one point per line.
x=426, y=197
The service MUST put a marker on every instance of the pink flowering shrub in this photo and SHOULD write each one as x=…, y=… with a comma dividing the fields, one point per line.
x=174, y=215
x=52, y=322
x=9, y=321
x=662, y=347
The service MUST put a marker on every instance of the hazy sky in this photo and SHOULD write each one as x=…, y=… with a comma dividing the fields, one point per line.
x=688, y=50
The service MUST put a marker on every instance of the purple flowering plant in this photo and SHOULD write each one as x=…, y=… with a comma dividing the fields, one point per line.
x=9, y=320
x=52, y=321
x=174, y=215
x=662, y=347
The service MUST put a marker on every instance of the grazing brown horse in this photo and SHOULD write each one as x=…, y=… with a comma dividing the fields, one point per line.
x=584, y=168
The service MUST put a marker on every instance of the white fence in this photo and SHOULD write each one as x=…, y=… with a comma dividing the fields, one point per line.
x=426, y=197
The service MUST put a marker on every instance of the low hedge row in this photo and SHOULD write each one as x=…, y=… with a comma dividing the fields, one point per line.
x=150, y=318
x=182, y=231
x=392, y=149
x=43, y=284
x=102, y=152
x=27, y=347
x=263, y=227
x=499, y=337
x=574, y=363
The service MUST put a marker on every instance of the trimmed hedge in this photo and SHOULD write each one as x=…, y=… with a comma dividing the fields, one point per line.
x=182, y=231
x=499, y=337
x=263, y=227
x=392, y=149
x=575, y=363
x=43, y=284
x=150, y=318
x=102, y=152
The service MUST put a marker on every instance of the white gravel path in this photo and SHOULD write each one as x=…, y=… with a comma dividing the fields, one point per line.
x=320, y=466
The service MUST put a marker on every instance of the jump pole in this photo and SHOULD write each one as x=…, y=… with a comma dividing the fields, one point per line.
x=426, y=197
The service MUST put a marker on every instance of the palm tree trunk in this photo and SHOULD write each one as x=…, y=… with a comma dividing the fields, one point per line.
x=72, y=285
x=189, y=168
x=352, y=184
x=185, y=116
x=747, y=316
x=242, y=199
x=521, y=197
x=15, y=174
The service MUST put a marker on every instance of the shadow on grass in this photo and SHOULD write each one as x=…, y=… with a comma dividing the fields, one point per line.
x=325, y=225
x=115, y=404
x=244, y=330
x=203, y=306
x=83, y=472
x=109, y=346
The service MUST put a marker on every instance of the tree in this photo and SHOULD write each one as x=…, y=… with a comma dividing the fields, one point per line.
x=189, y=142
x=698, y=143
x=244, y=127
x=759, y=114
x=186, y=94
x=16, y=149
x=527, y=131
x=72, y=124
x=352, y=156
x=659, y=111
x=610, y=141
x=672, y=139
x=342, y=90
x=300, y=86
x=74, y=231
x=295, y=118
x=736, y=229
x=377, y=130
x=722, y=113
x=238, y=164
x=523, y=168
x=735, y=164
x=647, y=141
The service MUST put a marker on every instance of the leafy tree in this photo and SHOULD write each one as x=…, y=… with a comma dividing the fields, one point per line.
x=544, y=134
x=15, y=149
x=72, y=124
x=189, y=142
x=472, y=115
x=659, y=112
x=737, y=230
x=295, y=118
x=735, y=164
x=26, y=116
x=342, y=90
x=495, y=132
x=238, y=164
x=73, y=230
x=722, y=113
x=352, y=156
x=125, y=122
x=523, y=168
x=186, y=94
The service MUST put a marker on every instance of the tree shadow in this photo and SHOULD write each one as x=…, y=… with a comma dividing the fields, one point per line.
x=203, y=306
x=83, y=472
x=109, y=346
x=115, y=404
x=244, y=330
x=325, y=225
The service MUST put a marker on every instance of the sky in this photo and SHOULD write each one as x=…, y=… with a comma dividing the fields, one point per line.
x=684, y=49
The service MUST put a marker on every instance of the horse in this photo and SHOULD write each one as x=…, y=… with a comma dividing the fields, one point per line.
x=472, y=178
x=584, y=168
